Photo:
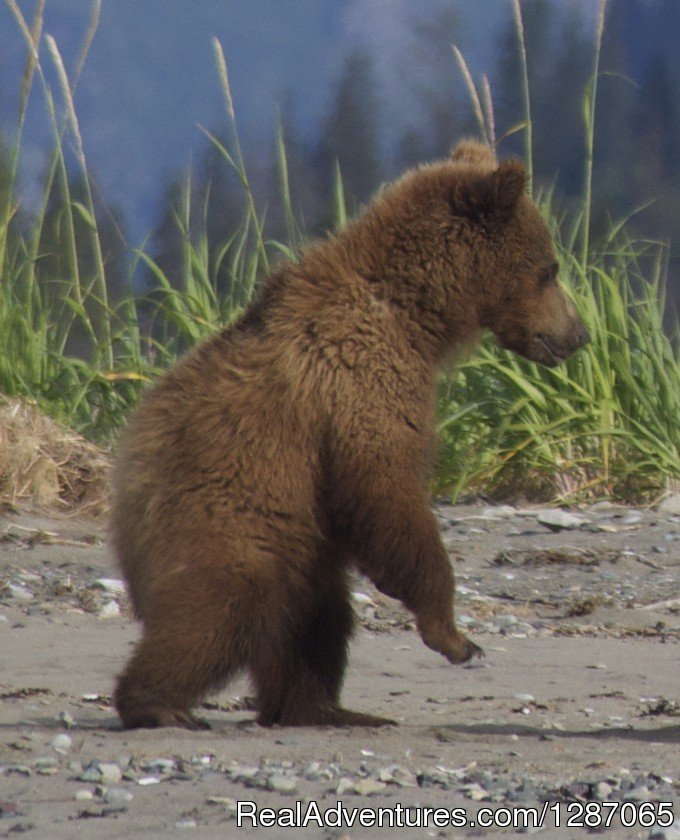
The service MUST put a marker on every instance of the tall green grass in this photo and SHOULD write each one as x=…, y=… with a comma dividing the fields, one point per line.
x=604, y=423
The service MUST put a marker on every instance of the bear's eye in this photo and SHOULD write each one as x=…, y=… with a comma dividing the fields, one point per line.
x=548, y=274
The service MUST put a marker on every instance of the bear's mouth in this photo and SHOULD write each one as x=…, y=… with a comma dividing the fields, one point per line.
x=551, y=355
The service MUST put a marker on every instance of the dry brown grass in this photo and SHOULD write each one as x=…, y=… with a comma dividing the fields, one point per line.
x=44, y=464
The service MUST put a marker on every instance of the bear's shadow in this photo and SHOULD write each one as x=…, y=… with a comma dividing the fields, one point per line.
x=669, y=734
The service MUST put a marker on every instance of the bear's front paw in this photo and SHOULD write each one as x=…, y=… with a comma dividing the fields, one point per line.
x=452, y=644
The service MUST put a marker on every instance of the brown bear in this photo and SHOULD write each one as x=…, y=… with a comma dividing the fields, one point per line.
x=293, y=447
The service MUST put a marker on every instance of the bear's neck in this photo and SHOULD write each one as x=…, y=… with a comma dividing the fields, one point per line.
x=433, y=304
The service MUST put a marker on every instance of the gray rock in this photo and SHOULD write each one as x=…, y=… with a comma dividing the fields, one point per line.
x=312, y=771
x=163, y=765
x=282, y=784
x=397, y=775
x=367, y=787
x=243, y=772
x=345, y=786
x=109, y=610
x=66, y=720
x=602, y=790
x=186, y=822
x=671, y=504
x=559, y=520
x=61, y=743
x=89, y=774
x=504, y=621
x=474, y=791
x=110, y=774
x=637, y=794
x=118, y=798
x=499, y=512
x=45, y=763
x=671, y=832
x=19, y=593
x=111, y=585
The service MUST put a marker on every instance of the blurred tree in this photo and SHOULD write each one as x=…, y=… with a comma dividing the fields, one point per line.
x=351, y=134
x=443, y=112
x=167, y=240
x=437, y=83
x=615, y=119
x=559, y=122
x=538, y=18
x=658, y=128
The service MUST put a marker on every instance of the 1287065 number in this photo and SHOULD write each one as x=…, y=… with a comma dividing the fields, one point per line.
x=603, y=814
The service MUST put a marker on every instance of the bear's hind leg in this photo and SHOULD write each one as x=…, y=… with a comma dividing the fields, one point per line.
x=299, y=677
x=160, y=684
x=179, y=659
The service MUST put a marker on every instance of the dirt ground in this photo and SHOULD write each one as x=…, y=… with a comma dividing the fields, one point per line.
x=575, y=711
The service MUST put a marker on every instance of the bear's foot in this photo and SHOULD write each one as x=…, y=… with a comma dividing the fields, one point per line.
x=452, y=644
x=155, y=717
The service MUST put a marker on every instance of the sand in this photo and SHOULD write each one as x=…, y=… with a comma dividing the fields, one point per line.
x=576, y=700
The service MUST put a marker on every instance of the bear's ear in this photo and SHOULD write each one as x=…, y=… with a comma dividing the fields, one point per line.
x=473, y=152
x=493, y=195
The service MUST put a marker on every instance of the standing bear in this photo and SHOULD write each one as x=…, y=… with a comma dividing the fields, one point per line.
x=293, y=447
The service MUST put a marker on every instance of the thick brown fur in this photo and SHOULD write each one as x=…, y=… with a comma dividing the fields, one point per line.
x=294, y=446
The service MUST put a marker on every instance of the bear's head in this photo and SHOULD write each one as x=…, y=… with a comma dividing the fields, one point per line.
x=520, y=299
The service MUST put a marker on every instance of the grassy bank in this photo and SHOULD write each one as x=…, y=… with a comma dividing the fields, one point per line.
x=605, y=423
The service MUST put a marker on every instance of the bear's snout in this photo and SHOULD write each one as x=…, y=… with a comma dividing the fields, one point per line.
x=551, y=349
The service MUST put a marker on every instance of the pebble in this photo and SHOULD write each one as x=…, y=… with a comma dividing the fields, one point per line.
x=186, y=822
x=223, y=801
x=118, y=797
x=66, y=720
x=61, y=743
x=164, y=765
x=500, y=512
x=397, y=775
x=110, y=774
x=19, y=593
x=637, y=794
x=505, y=620
x=367, y=787
x=560, y=520
x=243, y=772
x=671, y=504
x=671, y=832
x=45, y=762
x=90, y=773
x=109, y=610
x=345, y=786
x=83, y=795
x=312, y=771
x=111, y=585
x=282, y=784
x=602, y=790
x=474, y=791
